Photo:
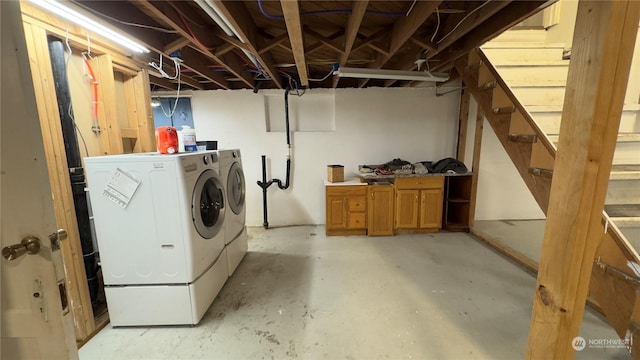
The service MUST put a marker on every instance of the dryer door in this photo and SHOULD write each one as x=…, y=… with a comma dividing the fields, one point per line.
x=236, y=188
x=208, y=204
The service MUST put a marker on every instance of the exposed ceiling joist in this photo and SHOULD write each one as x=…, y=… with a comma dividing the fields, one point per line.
x=176, y=45
x=274, y=42
x=200, y=65
x=291, y=11
x=168, y=14
x=351, y=32
x=333, y=45
x=403, y=30
x=240, y=19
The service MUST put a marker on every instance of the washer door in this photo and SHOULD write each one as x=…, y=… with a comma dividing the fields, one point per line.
x=207, y=207
x=236, y=188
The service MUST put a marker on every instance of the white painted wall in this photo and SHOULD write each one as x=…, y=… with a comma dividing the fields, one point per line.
x=502, y=194
x=372, y=125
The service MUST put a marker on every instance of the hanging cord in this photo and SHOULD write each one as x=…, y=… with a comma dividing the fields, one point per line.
x=324, y=78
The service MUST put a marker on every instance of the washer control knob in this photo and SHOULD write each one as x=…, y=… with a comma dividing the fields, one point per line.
x=205, y=159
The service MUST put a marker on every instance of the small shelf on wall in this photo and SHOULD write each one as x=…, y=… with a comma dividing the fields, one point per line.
x=457, y=202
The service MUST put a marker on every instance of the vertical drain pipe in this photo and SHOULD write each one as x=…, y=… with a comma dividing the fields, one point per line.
x=74, y=162
x=264, y=184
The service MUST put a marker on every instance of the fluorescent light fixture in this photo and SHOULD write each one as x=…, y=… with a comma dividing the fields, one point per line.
x=363, y=73
x=74, y=16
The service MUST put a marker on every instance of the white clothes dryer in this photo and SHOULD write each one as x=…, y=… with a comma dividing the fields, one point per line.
x=159, y=222
x=233, y=178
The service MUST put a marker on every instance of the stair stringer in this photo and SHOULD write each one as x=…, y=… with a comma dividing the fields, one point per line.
x=614, y=284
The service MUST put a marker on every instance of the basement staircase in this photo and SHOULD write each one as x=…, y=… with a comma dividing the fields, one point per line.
x=614, y=282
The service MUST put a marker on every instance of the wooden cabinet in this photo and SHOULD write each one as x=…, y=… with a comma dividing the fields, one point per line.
x=457, y=203
x=380, y=210
x=419, y=203
x=346, y=212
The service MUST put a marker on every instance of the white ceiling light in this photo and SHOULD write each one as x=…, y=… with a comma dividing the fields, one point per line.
x=74, y=16
x=364, y=73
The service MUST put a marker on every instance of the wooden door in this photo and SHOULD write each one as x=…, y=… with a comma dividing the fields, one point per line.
x=380, y=210
x=407, y=209
x=431, y=209
x=36, y=321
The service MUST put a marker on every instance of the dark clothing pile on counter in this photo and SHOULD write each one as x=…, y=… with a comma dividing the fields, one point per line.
x=403, y=167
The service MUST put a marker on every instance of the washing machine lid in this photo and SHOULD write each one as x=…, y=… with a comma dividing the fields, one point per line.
x=236, y=188
x=207, y=205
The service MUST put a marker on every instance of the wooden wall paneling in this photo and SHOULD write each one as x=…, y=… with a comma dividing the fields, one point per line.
x=603, y=45
x=110, y=136
x=47, y=104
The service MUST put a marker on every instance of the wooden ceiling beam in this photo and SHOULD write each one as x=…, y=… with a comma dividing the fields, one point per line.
x=472, y=22
x=240, y=19
x=423, y=43
x=157, y=79
x=333, y=45
x=175, y=45
x=378, y=35
x=291, y=11
x=515, y=12
x=378, y=47
x=166, y=13
x=200, y=65
x=479, y=16
x=223, y=49
x=402, y=30
x=351, y=32
x=274, y=42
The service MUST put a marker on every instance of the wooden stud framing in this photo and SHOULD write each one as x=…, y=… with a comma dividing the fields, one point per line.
x=463, y=122
x=141, y=127
x=47, y=103
x=110, y=137
x=601, y=58
x=475, y=165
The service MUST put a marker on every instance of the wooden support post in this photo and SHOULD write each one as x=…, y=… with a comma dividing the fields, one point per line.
x=463, y=122
x=475, y=166
x=47, y=103
x=603, y=45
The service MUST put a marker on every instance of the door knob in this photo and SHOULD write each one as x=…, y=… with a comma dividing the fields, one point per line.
x=30, y=244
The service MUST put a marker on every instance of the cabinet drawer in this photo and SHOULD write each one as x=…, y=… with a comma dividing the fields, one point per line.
x=347, y=190
x=357, y=203
x=433, y=182
x=357, y=221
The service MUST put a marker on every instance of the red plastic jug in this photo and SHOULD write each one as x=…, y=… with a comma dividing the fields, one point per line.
x=167, y=139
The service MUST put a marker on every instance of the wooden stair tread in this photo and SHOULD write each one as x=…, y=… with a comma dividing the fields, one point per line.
x=622, y=137
x=558, y=108
x=623, y=211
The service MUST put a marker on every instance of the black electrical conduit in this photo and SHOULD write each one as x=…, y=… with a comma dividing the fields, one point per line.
x=74, y=161
x=264, y=184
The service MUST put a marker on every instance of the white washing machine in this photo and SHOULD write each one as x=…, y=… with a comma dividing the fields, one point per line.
x=159, y=222
x=233, y=179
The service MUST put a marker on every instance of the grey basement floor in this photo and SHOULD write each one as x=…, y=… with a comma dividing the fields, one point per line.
x=300, y=294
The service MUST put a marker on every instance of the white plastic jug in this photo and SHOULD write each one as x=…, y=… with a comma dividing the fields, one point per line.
x=188, y=139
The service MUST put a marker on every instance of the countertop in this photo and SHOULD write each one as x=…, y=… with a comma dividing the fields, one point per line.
x=353, y=181
x=373, y=176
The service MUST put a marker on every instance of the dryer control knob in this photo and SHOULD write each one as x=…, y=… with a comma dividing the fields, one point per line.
x=205, y=159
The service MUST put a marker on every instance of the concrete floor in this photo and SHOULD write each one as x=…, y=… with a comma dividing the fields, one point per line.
x=300, y=294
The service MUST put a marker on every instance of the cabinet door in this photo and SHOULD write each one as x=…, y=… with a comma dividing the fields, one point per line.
x=431, y=209
x=380, y=211
x=336, y=212
x=407, y=209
